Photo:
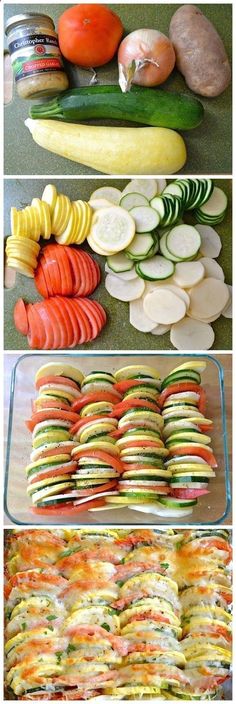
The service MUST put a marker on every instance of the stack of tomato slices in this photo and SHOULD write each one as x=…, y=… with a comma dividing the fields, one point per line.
x=191, y=460
x=66, y=318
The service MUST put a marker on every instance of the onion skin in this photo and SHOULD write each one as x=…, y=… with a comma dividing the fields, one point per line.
x=146, y=57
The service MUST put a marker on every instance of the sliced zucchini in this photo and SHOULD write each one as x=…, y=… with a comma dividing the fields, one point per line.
x=110, y=193
x=123, y=275
x=146, y=219
x=164, y=250
x=119, y=263
x=155, y=269
x=183, y=241
x=132, y=200
x=213, y=210
x=141, y=247
x=148, y=187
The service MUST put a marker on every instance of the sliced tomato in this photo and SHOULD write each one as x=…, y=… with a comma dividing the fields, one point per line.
x=92, y=316
x=188, y=493
x=51, y=379
x=184, y=386
x=115, y=462
x=87, y=273
x=52, y=267
x=21, y=317
x=123, y=386
x=120, y=409
x=40, y=281
x=65, y=270
x=119, y=432
x=70, y=316
x=101, y=311
x=36, y=334
x=65, y=340
x=67, y=508
x=83, y=320
x=75, y=272
x=59, y=304
x=64, y=469
x=48, y=414
x=94, y=397
x=59, y=333
x=205, y=453
x=45, y=263
x=47, y=324
x=83, y=421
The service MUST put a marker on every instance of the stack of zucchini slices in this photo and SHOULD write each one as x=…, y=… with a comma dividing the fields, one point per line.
x=139, y=437
x=50, y=473
x=191, y=460
x=96, y=452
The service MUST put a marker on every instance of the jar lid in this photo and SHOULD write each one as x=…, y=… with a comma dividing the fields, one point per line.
x=21, y=19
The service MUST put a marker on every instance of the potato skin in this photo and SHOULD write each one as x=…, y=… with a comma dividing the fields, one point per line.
x=200, y=52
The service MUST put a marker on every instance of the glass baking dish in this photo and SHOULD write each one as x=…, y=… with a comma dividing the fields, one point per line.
x=211, y=509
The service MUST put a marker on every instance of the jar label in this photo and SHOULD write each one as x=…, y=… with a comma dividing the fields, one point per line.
x=33, y=54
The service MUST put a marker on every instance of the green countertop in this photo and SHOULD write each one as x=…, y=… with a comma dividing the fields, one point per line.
x=118, y=334
x=208, y=146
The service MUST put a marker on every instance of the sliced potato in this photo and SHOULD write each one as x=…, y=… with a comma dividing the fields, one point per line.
x=138, y=318
x=208, y=298
x=212, y=268
x=163, y=306
x=188, y=274
x=124, y=290
x=191, y=334
x=227, y=312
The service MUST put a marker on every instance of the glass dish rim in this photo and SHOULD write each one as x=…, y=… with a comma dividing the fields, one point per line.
x=116, y=353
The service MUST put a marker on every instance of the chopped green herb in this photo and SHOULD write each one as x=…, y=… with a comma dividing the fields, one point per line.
x=23, y=626
x=165, y=565
x=51, y=617
x=70, y=648
x=59, y=654
x=106, y=626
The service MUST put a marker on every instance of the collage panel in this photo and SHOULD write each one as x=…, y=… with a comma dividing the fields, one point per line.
x=184, y=126
x=155, y=276
x=118, y=439
x=118, y=351
x=137, y=599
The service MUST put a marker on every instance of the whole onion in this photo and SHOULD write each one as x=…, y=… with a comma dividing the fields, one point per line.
x=146, y=57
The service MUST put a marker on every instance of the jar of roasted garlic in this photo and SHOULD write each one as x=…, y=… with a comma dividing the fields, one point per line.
x=35, y=55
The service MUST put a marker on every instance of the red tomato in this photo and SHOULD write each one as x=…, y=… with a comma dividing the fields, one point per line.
x=89, y=35
x=189, y=493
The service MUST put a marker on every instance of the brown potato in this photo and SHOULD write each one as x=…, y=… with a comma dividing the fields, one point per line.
x=200, y=52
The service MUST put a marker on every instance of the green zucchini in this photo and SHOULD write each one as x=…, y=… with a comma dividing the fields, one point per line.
x=154, y=107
